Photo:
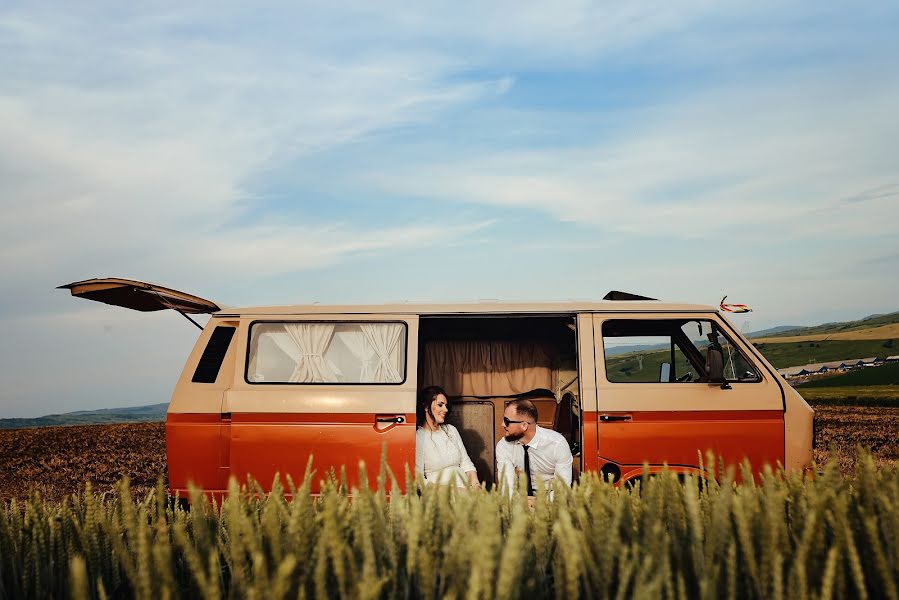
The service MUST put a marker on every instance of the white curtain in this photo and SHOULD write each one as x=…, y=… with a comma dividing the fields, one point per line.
x=362, y=351
x=384, y=339
x=305, y=344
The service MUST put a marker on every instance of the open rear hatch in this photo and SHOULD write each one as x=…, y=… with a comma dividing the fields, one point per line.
x=138, y=295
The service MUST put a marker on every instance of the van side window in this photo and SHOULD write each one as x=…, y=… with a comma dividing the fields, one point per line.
x=668, y=351
x=331, y=352
x=211, y=362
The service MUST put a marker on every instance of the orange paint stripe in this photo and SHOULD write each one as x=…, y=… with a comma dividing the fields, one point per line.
x=335, y=418
x=587, y=417
x=193, y=418
x=698, y=415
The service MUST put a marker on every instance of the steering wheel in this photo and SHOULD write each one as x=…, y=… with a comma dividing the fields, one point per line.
x=688, y=376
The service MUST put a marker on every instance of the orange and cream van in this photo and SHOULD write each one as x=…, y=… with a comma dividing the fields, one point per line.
x=628, y=380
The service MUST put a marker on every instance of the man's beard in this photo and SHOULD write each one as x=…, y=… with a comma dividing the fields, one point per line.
x=514, y=437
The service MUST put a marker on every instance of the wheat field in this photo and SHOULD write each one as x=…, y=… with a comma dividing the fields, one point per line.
x=830, y=536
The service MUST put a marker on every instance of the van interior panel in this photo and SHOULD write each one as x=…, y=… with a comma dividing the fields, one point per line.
x=475, y=421
x=485, y=362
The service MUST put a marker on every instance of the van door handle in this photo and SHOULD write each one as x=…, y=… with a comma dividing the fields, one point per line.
x=609, y=418
x=390, y=419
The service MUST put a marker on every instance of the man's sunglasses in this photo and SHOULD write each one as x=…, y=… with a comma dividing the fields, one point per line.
x=507, y=421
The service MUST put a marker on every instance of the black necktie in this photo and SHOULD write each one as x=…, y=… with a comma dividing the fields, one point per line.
x=527, y=471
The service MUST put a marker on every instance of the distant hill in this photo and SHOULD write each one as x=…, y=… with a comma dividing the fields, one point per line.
x=774, y=330
x=618, y=350
x=136, y=414
x=868, y=322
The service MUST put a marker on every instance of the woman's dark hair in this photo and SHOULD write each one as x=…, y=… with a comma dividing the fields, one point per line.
x=425, y=398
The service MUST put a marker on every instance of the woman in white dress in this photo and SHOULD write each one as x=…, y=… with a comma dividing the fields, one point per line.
x=439, y=453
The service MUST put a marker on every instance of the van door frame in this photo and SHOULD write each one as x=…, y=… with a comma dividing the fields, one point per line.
x=586, y=359
x=676, y=415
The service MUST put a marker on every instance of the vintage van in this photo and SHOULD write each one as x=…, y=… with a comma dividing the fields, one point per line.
x=629, y=380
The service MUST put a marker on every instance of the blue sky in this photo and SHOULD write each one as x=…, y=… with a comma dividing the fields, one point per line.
x=283, y=153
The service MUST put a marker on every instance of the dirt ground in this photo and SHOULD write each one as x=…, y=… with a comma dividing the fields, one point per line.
x=56, y=461
x=841, y=429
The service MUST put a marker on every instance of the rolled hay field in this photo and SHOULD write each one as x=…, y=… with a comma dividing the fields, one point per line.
x=824, y=537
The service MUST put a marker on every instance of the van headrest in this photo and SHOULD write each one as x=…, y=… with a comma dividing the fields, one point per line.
x=535, y=393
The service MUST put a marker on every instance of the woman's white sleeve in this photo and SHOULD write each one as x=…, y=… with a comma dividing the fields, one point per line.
x=465, y=463
x=419, y=456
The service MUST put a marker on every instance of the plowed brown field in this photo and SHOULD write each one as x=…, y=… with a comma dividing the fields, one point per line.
x=57, y=461
x=842, y=428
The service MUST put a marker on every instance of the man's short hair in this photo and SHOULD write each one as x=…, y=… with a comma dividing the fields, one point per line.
x=525, y=408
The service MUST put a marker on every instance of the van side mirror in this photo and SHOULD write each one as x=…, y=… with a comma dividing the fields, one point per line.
x=665, y=372
x=715, y=365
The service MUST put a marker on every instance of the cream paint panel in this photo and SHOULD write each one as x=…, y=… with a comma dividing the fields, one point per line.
x=798, y=424
x=586, y=362
x=623, y=397
x=204, y=398
x=317, y=399
x=245, y=397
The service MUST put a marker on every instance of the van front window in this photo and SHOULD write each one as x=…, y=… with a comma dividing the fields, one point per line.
x=668, y=351
x=327, y=352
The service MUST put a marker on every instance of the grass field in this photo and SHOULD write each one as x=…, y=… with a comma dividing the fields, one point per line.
x=884, y=375
x=793, y=354
x=870, y=395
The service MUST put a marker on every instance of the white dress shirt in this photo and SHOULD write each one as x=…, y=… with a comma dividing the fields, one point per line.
x=441, y=456
x=549, y=455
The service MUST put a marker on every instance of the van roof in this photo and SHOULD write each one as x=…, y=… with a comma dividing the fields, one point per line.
x=463, y=308
x=143, y=296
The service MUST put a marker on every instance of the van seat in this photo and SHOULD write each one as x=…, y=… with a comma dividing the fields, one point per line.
x=546, y=404
x=567, y=419
x=546, y=412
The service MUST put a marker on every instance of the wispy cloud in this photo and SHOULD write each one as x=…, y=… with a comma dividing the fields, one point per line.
x=128, y=140
x=263, y=251
x=889, y=190
x=720, y=161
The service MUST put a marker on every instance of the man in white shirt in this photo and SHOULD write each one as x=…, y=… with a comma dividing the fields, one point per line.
x=538, y=454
